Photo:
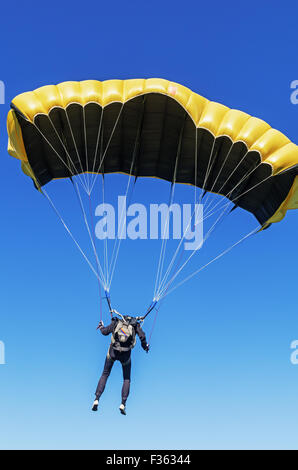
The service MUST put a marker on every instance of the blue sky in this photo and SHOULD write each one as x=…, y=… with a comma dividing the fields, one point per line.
x=218, y=375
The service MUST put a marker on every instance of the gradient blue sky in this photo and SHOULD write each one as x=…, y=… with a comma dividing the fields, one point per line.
x=227, y=382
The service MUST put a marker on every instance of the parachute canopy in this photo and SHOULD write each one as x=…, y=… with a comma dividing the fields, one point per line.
x=154, y=128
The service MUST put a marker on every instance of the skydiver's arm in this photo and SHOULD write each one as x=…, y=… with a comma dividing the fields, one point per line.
x=142, y=337
x=106, y=330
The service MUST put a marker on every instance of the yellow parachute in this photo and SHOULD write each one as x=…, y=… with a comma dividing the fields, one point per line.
x=59, y=131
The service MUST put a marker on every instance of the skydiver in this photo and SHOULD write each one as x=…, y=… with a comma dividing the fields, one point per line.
x=123, y=340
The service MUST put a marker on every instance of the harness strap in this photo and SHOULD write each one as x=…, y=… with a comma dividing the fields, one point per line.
x=121, y=348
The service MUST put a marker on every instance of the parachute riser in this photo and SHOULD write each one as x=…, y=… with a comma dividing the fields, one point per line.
x=150, y=308
x=108, y=299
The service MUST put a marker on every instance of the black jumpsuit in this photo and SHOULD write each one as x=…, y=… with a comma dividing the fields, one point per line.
x=124, y=357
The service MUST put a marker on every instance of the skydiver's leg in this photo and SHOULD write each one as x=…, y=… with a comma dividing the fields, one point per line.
x=109, y=362
x=126, y=368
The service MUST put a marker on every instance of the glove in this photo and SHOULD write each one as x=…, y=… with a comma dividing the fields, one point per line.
x=146, y=348
x=100, y=325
